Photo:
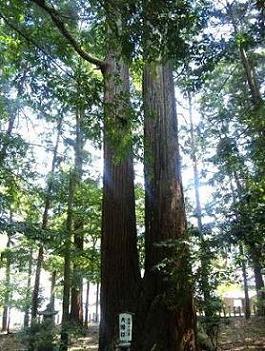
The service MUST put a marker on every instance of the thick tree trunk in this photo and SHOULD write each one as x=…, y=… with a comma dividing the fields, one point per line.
x=167, y=318
x=87, y=303
x=28, y=293
x=7, y=287
x=36, y=288
x=120, y=274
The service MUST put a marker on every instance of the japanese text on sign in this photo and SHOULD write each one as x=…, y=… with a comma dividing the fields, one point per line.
x=125, y=327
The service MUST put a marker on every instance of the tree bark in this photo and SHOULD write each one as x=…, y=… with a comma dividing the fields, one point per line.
x=205, y=259
x=67, y=266
x=10, y=127
x=97, y=303
x=259, y=283
x=167, y=318
x=52, y=296
x=7, y=287
x=245, y=282
x=251, y=77
x=249, y=69
x=36, y=288
x=76, y=313
x=27, y=311
x=87, y=304
x=119, y=268
x=12, y=119
x=120, y=274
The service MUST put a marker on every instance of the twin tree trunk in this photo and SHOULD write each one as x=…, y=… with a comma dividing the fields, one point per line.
x=120, y=273
x=166, y=319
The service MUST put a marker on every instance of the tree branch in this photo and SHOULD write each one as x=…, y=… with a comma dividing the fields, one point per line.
x=32, y=42
x=56, y=18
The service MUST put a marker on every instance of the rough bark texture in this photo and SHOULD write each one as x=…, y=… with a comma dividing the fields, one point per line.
x=119, y=260
x=167, y=318
x=36, y=288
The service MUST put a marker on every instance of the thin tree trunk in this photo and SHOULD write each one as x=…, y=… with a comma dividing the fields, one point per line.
x=120, y=273
x=249, y=69
x=27, y=311
x=76, y=313
x=87, y=303
x=259, y=283
x=196, y=177
x=205, y=263
x=167, y=318
x=245, y=282
x=67, y=266
x=12, y=118
x=239, y=190
x=97, y=303
x=251, y=77
x=36, y=288
x=7, y=287
x=52, y=296
x=9, y=318
x=10, y=127
x=254, y=257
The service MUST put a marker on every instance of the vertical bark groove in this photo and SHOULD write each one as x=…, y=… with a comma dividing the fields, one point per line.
x=119, y=260
x=167, y=318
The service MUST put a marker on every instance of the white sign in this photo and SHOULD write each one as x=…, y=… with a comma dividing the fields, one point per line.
x=125, y=328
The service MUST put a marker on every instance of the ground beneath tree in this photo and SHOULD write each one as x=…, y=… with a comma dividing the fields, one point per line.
x=87, y=343
x=238, y=335
x=241, y=335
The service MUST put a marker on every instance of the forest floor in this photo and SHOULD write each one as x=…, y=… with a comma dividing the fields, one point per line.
x=238, y=335
x=241, y=335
